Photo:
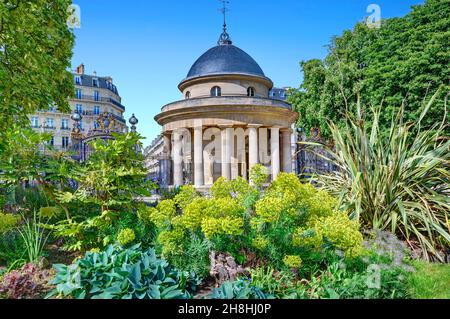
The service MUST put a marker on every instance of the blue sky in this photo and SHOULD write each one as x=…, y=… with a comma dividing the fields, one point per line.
x=148, y=46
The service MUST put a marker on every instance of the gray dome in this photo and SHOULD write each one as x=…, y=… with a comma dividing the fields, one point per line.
x=225, y=59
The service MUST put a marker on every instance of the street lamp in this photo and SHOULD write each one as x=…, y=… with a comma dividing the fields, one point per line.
x=133, y=121
x=76, y=134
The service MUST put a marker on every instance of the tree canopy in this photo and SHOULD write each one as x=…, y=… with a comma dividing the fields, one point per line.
x=35, y=53
x=404, y=61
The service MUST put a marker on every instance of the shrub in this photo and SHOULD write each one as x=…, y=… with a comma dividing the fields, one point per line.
x=292, y=261
x=294, y=219
x=185, y=196
x=221, y=188
x=259, y=175
x=103, y=193
x=290, y=219
x=29, y=282
x=164, y=212
x=7, y=222
x=337, y=230
x=12, y=248
x=119, y=273
x=126, y=236
x=194, y=256
x=398, y=182
x=49, y=212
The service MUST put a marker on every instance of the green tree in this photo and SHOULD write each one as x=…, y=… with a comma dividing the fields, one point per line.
x=35, y=53
x=406, y=60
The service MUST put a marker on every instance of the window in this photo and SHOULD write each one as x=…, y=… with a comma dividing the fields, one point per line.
x=78, y=94
x=78, y=80
x=251, y=91
x=34, y=121
x=96, y=95
x=52, y=141
x=79, y=108
x=49, y=123
x=216, y=91
x=65, y=142
x=95, y=82
x=96, y=126
x=96, y=110
x=188, y=95
x=65, y=124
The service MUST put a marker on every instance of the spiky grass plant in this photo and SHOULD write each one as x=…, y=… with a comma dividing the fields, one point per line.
x=399, y=182
x=34, y=238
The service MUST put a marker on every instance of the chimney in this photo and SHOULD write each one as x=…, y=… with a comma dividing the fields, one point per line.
x=80, y=69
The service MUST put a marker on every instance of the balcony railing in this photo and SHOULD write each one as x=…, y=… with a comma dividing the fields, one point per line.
x=101, y=99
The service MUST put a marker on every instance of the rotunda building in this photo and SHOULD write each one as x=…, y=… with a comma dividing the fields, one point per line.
x=226, y=123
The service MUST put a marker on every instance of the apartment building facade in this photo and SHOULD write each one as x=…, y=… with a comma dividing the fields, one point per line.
x=96, y=98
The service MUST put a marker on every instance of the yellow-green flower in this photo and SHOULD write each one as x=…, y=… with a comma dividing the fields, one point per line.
x=186, y=195
x=292, y=261
x=163, y=214
x=260, y=242
x=7, y=222
x=126, y=236
x=269, y=209
x=194, y=213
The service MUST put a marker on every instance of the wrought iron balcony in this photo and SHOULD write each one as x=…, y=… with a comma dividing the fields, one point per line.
x=100, y=99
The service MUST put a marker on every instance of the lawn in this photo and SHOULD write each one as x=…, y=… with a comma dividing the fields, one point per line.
x=430, y=281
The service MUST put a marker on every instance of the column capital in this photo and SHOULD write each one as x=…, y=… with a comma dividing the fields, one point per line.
x=254, y=125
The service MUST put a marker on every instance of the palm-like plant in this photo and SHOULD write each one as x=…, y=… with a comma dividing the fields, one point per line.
x=399, y=183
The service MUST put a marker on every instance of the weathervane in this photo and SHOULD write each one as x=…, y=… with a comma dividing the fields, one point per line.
x=224, y=37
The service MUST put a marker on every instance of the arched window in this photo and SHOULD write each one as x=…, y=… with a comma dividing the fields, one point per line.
x=216, y=91
x=251, y=91
x=188, y=95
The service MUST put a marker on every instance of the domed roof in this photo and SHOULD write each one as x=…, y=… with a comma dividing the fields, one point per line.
x=225, y=58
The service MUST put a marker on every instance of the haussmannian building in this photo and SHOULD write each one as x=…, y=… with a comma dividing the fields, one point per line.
x=228, y=121
x=96, y=99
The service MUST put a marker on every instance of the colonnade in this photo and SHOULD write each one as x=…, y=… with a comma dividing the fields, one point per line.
x=236, y=149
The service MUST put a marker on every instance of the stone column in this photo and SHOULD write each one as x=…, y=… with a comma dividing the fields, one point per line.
x=287, y=153
x=177, y=159
x=275, y=151
x=198, y=156
x=165, y=162
x=227, y=146
x=253, y=145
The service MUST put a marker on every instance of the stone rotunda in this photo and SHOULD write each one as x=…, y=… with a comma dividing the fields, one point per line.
x=226, y=122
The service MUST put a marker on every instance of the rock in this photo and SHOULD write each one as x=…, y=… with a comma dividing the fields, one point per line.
x=224, y=268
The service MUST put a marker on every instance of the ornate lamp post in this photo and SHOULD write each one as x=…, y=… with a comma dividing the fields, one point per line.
x=133, y=121
x=76, y=134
